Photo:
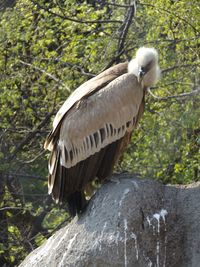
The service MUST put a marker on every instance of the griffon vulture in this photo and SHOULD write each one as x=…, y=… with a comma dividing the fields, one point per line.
x=94, y=125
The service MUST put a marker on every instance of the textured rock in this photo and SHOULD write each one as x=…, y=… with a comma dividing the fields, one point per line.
x=131, y=223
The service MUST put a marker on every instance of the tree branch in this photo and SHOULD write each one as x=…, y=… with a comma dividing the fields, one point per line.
x=124, y=31
x=114, y=60
x=195, y=92
x=180, y=66
x=30, y=135
x=73, y=19
x=125, y=27
x=46, y=73
x=171, y=13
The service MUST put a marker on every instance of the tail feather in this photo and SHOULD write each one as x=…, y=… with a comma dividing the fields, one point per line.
x=60, y=184
x=68, y=184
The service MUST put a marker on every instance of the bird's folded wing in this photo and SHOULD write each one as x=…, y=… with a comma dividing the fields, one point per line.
x=86, y=89
x=99, y=120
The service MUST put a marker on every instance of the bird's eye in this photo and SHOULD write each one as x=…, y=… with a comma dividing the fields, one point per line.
x=142, y=71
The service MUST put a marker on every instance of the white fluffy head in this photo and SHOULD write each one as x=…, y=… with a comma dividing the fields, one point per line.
x=145, y=66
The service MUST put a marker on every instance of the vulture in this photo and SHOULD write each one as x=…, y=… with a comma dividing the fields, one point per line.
x=94, y=125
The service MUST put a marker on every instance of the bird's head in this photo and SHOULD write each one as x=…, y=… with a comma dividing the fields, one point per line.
x=145, y=66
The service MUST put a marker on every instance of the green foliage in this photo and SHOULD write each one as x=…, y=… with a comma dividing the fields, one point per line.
x=168, y=148
x=47, y=49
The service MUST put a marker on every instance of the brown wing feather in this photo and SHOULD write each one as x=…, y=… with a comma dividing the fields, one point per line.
x=85, y=90
x=69, y=180
x=110, y=158
x=99, y=120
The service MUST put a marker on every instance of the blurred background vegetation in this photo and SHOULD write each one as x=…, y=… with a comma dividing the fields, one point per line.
x=47, y=49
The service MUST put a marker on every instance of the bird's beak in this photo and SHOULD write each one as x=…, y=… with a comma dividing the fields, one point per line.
x=141, y=74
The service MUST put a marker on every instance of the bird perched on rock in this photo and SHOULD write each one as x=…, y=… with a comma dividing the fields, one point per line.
x=94, y=125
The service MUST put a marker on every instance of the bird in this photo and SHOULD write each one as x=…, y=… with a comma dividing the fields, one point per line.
x=93, y=127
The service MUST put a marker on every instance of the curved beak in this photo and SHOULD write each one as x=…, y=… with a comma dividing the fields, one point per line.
x=141, y=74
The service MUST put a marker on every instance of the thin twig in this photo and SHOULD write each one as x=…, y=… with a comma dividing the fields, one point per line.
x=195, y=92
x=11, y=208
x=180, y=66
x=46, y=73
x=120, y=5
x=79, y=68
x=17, y=174
x=33, y=159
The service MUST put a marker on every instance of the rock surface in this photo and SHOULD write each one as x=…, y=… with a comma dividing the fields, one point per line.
x=130, y=223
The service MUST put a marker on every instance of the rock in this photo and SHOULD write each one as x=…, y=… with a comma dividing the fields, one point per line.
x=130, y=223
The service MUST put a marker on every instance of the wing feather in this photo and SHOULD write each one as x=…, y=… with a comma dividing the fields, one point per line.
x=85, y=90
x=111, y=109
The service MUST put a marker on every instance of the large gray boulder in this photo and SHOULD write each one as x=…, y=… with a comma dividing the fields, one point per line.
x=132, y=223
